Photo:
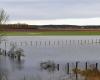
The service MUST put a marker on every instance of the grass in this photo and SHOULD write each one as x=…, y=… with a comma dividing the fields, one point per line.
x=52, y=33
x=89, y=74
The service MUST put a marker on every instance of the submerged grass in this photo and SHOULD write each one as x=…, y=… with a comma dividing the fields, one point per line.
x=89, y=74
x=52, y=33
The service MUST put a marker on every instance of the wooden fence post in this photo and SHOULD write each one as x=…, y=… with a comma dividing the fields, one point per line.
x=67, y=68
x=58, y=67
x=92, y=41
x=70, y=41
x=96, y=66
x=31, y=43
x=76, y=70
x=86, y=66
x=66, y=42
x=5, y=48
x=21, y=44
x=49, y=43
x=36, y=43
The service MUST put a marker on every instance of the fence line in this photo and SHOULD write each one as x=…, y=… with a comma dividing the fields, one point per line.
x=54, y=43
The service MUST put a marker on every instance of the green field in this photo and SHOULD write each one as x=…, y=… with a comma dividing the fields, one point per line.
x=59, y=33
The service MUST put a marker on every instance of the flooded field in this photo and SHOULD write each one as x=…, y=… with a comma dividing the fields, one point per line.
x=48, y=57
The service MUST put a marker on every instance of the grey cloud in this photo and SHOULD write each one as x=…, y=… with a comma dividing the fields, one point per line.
x=51, y=9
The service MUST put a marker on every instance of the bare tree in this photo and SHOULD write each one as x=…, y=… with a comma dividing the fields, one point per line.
x=3, y=16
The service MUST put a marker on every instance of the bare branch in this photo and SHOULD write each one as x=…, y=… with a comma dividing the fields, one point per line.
x=3, y=16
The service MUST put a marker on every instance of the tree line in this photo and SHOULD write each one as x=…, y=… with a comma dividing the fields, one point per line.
x=4, y=17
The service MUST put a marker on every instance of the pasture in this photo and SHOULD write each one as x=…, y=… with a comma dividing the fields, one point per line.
x=48, y=33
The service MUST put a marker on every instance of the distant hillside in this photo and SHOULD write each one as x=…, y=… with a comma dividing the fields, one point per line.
x=25, y=27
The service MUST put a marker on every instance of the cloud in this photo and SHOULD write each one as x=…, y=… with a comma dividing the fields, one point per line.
x=51, y=9
x=78, y=21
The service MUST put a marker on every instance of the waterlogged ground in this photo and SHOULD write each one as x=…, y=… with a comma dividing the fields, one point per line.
x=59, y=49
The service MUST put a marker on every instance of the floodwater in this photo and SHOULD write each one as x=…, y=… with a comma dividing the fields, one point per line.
x=37, y=49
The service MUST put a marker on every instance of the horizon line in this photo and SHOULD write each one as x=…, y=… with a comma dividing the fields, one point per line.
x=69, y=21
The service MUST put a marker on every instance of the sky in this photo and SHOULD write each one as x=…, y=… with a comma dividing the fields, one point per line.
x=50, y=9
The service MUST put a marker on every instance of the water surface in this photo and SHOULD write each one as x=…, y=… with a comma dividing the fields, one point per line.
x=37, y=49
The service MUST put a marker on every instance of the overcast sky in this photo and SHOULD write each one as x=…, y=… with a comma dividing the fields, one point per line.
x=50, y=9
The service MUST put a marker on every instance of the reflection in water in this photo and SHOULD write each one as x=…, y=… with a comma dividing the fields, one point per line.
x=3, y=69
x=16, y=64
x=62, y=52
x=10, y=60
x=8, y=65
x=3, y=74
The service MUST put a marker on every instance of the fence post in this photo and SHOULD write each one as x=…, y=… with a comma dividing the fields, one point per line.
x=96, y=66
x=66, y=42
x=54, y=43
x=92, y=41
x=70, y=41
x=88, y=41
x=86, y=66
x=99, y=41
x=76, y=70
x=78, y=42
x=31, y=43
x=58, y=43
x=67, y=68
x=58, y=67
x=85, y=41
x=5, y=49
x=73, y=41
x=40, y=43
x=36, y=43
x=49, y=43
x=45, y=43
x=20, y=43
x=81, y=42
x=96, y=41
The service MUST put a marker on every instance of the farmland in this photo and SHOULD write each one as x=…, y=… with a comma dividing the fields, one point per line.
x=32, y=30
x=55, y=33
